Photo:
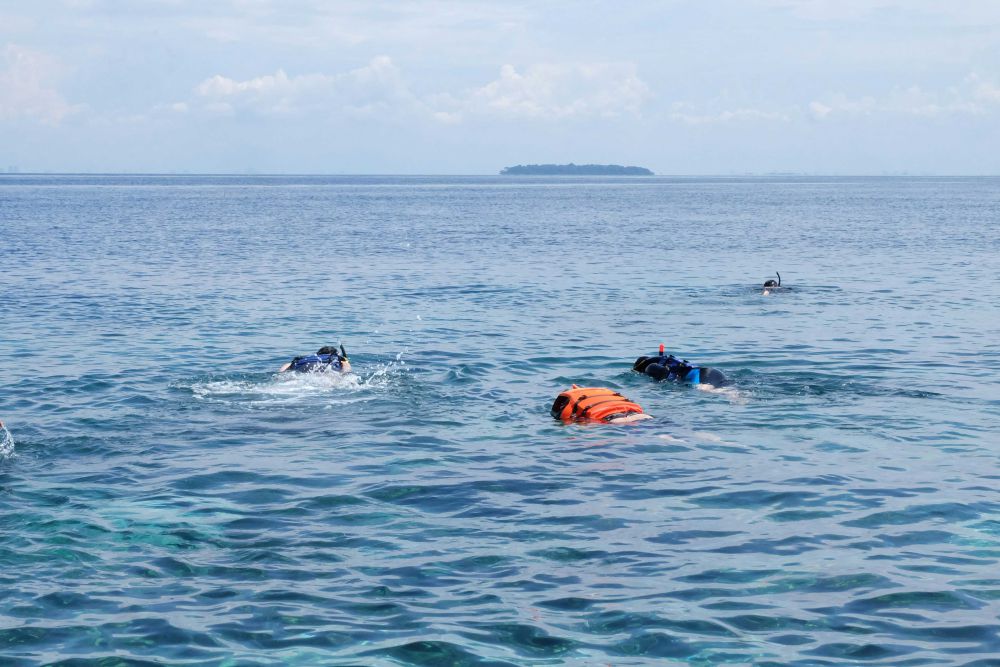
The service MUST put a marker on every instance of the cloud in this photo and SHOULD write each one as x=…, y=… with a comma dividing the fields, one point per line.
x=819, y=110
x=26, y=86
x=271, y=93
x=683, y=112
x=970, y=12
x=554, y=91
x=375, y=89
x=379, y=89
x=983, y=92
x=410, y=25
x=973, y=96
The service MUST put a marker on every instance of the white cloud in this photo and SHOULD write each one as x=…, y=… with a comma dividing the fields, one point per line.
x=345, y=23
x=559, y=91
x=973, y=96
x=26, y=86
x=271, y=92
x=376, y=88
x=379, y=89
x=984, y=92
x=819, y=110
x=683, y=112
x=968, y=12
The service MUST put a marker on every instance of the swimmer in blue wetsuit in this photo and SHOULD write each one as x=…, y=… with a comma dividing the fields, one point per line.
x=669, y=367
x=326, y=359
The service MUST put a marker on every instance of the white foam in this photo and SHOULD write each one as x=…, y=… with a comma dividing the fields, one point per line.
x=290, y=388
x=732, y=393
x=669, y=438
x=6, y=443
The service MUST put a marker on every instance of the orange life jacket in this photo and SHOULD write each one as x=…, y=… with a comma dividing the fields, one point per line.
x=592, y=404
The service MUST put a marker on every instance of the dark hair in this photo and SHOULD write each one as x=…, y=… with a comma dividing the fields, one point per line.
x=559, y=405
x=327, y=349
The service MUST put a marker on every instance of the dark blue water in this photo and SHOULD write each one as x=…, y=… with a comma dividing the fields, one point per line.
x=168, y=499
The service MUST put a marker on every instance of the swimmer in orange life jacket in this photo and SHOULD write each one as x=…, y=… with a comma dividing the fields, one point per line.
x=596, y=404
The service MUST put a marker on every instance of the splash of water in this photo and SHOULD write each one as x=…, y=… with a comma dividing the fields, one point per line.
x=732, y=393
x=290, y=388
x=6, y=443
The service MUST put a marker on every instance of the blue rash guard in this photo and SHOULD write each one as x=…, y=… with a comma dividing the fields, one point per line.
x=313, y=363
x=669, y=367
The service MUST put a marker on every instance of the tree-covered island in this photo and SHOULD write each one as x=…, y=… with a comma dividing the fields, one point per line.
x=574, y=170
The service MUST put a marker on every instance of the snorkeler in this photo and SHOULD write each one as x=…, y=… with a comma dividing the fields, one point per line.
x=326, y=359
x=771, y=284
x=669, y=367
x=596, y=405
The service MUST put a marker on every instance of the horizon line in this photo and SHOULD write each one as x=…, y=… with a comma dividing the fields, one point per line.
x=817, y=174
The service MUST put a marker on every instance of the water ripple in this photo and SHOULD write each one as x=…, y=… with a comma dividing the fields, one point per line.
x=168, y=498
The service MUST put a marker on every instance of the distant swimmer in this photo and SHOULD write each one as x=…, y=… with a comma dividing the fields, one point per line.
x=770, y=284
x=327, y=359
x=597, y=405
x=668, y=367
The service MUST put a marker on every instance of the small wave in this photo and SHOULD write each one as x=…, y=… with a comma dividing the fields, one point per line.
x=290, y=388
x=732, y=393
x=6, y=443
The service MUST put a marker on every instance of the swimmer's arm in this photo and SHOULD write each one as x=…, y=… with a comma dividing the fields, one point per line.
x=288, y=365
x=345, y=366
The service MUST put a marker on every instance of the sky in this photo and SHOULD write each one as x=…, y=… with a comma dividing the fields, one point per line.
x=468, y=86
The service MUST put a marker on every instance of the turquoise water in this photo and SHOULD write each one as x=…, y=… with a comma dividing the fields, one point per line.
x=166, y=498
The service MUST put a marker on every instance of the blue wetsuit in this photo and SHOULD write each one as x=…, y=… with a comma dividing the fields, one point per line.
x=312, y=363
x=669, y=367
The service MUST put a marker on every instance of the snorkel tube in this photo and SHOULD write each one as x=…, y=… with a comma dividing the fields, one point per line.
x=341, y=358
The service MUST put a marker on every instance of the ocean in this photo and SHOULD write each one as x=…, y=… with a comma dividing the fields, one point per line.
x=167, y=498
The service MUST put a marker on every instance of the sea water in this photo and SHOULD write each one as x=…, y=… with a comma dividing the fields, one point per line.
x=167, y=498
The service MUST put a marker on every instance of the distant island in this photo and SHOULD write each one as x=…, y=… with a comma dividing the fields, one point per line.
x=574, y=170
